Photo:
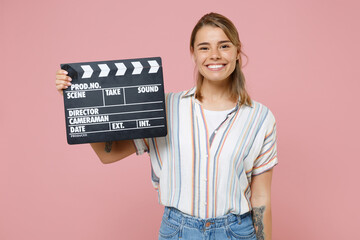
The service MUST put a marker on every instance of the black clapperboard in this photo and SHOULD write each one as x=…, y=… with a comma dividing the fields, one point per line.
x=115, y=100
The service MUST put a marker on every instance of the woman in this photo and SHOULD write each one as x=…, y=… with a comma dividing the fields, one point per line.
x=213, y=170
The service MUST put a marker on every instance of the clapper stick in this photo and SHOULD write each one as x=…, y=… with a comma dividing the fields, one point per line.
x=115, y=100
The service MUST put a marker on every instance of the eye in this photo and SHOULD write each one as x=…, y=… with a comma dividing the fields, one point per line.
x=225, y=46
x=203, y=48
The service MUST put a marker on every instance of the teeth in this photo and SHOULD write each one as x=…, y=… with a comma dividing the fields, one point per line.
x=215, y=66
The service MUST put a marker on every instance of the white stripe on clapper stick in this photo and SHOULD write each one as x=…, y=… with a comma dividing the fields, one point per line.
x=154, y=66
x=104, y=70
x=137, y=67
x=121, y=69
x=88, y=71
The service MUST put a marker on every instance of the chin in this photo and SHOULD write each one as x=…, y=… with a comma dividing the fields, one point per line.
x=216, y=77
x=216, y=80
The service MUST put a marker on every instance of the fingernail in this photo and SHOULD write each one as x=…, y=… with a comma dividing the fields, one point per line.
x=69, y=78
x=65, y=72
x=68, y=83
x=66, y=87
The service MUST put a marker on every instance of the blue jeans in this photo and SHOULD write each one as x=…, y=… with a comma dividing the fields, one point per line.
x=177, y=225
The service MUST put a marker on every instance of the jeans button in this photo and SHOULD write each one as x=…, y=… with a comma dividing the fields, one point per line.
x=208, y=224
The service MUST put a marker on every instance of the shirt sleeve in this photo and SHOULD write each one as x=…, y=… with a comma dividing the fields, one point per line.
x=141, y=146
x=267, y=157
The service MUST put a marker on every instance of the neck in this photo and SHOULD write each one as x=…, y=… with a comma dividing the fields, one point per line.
x=217, y=95
x=216, y=90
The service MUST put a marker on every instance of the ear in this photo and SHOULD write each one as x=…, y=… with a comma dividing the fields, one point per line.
x=238, y=54
x=192, y=54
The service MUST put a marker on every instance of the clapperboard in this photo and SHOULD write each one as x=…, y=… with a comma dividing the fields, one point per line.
x=115, y=100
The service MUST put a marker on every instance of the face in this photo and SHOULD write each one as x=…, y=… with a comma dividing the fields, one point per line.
x=214, y=54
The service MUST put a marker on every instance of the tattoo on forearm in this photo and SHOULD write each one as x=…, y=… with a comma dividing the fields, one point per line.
x=258, y=215
x=108, y=146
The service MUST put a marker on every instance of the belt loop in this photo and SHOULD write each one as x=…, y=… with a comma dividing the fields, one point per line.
x=181, y=226
x=227, y=226
x=239, y=219
x=167, y=212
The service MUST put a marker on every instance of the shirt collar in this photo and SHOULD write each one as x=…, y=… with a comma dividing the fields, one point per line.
x=190, y=93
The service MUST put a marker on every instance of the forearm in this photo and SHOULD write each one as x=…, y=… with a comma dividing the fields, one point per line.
x=109, y=152
x=261, y=214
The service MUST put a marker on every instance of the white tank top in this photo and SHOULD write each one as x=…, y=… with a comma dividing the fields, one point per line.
x=215, y=118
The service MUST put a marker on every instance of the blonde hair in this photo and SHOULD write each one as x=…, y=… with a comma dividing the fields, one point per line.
x=237, y=78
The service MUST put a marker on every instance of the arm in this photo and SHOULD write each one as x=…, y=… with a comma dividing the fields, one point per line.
x=110, y=152
x=261, y=204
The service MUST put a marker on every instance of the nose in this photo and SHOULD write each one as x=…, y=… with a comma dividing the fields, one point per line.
x=215, y=54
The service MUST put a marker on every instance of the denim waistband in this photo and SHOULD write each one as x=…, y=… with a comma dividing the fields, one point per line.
x=199, y=223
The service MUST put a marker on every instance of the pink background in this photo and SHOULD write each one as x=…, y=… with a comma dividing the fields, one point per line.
x=303, y=64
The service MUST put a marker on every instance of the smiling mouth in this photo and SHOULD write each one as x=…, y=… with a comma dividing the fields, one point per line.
x=215, y=67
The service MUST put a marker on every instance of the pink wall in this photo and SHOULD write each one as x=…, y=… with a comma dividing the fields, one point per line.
x=303, y=64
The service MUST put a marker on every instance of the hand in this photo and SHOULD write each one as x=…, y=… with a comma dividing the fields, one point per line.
x=62, y=80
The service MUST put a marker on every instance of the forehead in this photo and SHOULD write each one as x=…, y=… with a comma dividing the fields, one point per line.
x=210, y=34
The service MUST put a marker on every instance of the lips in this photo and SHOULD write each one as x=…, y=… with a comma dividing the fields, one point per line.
x=215, y=67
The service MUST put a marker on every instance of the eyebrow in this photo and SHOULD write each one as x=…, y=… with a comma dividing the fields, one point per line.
x=221, y=42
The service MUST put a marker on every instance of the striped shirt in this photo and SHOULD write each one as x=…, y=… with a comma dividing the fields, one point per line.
x=207, y=174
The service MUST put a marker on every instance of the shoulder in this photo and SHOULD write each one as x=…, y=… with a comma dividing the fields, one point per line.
x=263, y=112
x=260, y=107
x=177, y=96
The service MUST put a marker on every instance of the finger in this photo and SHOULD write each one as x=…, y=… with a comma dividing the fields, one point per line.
x=61, y=87
x=62, y=82
x=63, y=77
x=61, y=72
